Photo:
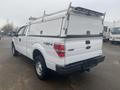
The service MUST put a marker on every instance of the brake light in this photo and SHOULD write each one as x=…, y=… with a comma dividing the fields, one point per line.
x=60, y=49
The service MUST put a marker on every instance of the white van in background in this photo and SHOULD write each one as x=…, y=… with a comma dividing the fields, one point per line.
x=114, y=35
x=65, y=41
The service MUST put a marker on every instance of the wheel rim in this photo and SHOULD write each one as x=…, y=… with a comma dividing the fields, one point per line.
x=39, y=68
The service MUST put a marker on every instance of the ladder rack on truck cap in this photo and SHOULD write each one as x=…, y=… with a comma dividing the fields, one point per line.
x=63, y=13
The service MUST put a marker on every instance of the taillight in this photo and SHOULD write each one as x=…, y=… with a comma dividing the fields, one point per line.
x=60, y=49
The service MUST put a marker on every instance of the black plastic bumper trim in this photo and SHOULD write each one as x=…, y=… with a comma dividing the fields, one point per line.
x=79, y=66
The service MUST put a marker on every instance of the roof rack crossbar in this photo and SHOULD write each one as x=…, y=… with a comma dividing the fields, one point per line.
x=45, y=15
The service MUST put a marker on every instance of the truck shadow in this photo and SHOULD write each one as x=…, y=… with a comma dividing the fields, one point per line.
x=54, y=80
x=53, y=75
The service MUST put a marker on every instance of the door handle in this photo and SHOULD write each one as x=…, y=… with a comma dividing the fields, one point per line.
x=88, y=47
x=19, y=39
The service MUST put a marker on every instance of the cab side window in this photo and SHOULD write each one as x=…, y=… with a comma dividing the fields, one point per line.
x=22, y=31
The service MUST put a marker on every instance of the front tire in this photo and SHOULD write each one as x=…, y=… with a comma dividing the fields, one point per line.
x=40, y=68
x=14, y=51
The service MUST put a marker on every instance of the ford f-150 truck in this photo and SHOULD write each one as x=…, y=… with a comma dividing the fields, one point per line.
x=65, y=41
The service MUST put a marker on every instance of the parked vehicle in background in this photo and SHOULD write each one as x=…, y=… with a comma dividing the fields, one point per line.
x=66, y=41
x=0, y=37
x=114, y=35
x=106, y=33
x=12, y=33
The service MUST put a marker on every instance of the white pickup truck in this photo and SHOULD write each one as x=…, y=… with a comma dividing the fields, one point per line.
x=66, y=41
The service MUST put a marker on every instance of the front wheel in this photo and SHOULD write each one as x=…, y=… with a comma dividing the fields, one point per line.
x=40, y=68
x=14, y=51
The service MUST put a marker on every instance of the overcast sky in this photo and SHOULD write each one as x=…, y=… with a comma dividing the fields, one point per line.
x=18, y=11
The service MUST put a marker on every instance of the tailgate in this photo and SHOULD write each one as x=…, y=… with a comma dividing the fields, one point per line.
x=78, y=49
x=84, y=40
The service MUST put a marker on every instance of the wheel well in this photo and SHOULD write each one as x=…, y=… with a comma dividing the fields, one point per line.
x=37, y=52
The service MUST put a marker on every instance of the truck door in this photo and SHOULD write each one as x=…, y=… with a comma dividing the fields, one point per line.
x=21, y=40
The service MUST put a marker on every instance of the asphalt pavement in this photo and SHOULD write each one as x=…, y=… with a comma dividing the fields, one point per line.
x=17, y=73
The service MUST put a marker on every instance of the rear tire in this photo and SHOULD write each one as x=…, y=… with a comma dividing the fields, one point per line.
x=14, y=51
x=40, y=68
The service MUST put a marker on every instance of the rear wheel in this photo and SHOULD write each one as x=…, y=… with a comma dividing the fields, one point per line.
x=40, y=68
x=14, y=51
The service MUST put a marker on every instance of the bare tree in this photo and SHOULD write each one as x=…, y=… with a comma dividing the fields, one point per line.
x=7, y=28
